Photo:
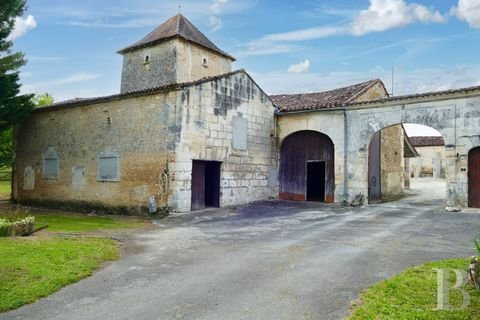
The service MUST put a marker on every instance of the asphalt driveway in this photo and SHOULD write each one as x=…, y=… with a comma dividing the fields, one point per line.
x=269, y=260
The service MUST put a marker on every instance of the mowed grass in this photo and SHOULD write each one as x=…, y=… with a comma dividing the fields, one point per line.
x=69, y=222
x=31, y=268
x=36, y=266
x=5, y=188
x=413, y=295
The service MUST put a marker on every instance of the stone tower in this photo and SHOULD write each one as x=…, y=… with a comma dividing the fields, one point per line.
x=175, y=52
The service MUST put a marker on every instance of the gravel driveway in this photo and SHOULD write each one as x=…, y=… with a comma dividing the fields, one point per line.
x=269, y=260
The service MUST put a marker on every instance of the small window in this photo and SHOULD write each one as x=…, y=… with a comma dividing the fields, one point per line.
x=108, y=167
x=205, y=62
x=50, y=164
x=147, y=59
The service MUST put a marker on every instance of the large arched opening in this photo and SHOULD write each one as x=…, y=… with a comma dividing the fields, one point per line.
x=406, y=160
x=307, y=167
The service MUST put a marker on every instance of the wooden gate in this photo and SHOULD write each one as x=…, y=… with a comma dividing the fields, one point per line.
x=474, y=178
x=297, y=151
x=374, y=169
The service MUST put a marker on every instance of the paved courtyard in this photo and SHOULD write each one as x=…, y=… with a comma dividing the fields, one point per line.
x=270, y=260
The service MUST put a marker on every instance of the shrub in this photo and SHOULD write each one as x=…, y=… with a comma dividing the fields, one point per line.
x=19, y=227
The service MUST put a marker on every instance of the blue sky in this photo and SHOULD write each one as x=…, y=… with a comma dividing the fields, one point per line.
x=287, y=46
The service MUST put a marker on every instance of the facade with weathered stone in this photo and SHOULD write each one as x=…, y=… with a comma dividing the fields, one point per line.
x=122, y=150
x=187, y=133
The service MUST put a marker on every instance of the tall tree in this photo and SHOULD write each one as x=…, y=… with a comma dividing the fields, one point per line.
x=43, y=100
x=13, y=107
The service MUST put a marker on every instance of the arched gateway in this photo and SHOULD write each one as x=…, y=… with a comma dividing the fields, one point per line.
x=307, y=167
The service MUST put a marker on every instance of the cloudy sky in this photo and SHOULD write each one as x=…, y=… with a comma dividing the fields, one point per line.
x=287, y=46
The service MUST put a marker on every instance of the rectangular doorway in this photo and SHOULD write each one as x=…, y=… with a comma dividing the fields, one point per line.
x=316, y=181
x=205, y=184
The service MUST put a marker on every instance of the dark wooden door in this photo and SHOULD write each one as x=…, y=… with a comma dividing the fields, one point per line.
x=198, y=185
x=374, y=169
x=474, y=178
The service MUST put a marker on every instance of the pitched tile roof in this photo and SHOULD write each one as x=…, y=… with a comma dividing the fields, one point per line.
x=79, y=102
x=321, y=100
x=427, y=141
x=176, y=26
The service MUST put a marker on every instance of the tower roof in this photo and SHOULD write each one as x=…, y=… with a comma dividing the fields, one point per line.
x=176, y=26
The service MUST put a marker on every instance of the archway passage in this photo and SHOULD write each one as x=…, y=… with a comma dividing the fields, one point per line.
x=406, y=161
x=474, y=178
x=307, y=167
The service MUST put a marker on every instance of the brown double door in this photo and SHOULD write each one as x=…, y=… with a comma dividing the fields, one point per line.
x=474, y=178
x=205, y=184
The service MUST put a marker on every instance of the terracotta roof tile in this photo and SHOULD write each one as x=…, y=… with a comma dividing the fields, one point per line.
x=427, y=141
x=321, y=100
x=176, y=26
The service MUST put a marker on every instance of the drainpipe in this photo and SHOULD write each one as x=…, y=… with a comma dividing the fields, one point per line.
x=345, y=155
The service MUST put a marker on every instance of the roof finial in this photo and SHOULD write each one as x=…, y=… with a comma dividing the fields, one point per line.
x=179, y=9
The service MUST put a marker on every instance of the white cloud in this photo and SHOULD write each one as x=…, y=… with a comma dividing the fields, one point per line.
x=217, y=8
x=22, y=26
x=301, y=67
x=468, y=11
x=406, y=81
x=266, y=51
x=387, y=14
x=304, y=34
x=77, y=77
x=216, y=23
x=381, y=15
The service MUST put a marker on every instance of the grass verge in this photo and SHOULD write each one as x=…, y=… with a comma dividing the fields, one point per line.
x=66, y=222
x=31, y=268
x=413, y=295
x=5, y=188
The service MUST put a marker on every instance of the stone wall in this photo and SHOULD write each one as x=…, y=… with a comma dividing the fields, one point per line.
x=456, y=116
x=431, y=162
x=329, y=123
x=160, y=70
x=230, y=120
x=137, y=130
x=392, y=161
x=190, y=62
x=171, y=61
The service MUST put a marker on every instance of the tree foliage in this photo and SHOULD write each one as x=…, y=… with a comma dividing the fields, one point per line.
x=13, y=107
x=43, y=100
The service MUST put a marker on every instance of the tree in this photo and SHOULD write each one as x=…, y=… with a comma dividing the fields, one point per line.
x=14, y=107
x=6, y=136
x=43, y=100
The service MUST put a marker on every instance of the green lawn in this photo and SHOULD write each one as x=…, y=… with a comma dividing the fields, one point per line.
x=36, y=266
x=5, y=189
x=31, y=268
x=413, y=295
x=69, y=222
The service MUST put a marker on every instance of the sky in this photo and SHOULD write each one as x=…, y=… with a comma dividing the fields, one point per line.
x=287, y=46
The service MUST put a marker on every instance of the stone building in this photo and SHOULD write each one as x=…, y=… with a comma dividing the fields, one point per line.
x=431, y=160
x=299, y=122
x=187, y=132
x=184, y=131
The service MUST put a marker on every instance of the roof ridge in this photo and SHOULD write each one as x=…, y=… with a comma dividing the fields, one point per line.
x=134, y=93
x=176, y=26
